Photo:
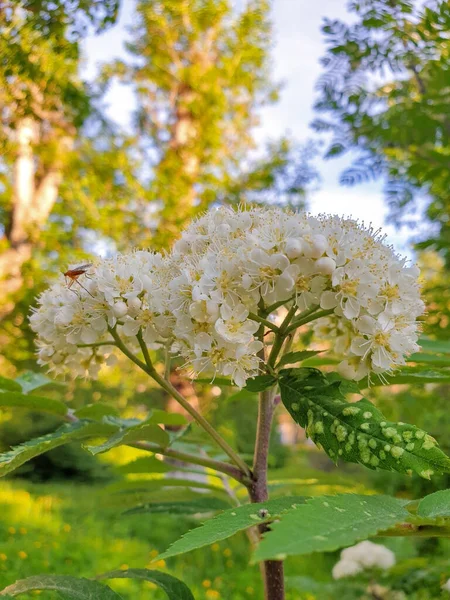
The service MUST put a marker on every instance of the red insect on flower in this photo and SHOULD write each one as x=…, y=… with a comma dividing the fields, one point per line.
x=73, y=274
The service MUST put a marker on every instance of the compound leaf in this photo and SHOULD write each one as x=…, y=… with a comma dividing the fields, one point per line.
x=9, y=461
x=327, y=523
x=230, y=522
x=357, y=432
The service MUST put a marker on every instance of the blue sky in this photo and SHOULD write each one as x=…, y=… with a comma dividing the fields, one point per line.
x=297, y=49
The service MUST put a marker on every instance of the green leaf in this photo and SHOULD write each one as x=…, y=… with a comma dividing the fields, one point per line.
x=70, y=588
x=434, y=346
x=145, y=464
x=435, y=505
x=192, y=507
x=9, y=384
x=135, y=499
x=242, y=395
x=230, y=522
x=319, y=361
x=174, y=588
x=9, y=461
x=149, y=485
x=30, y=381
x=413, y=375
x=293, y=357
x=357, y=432
x=327, y=523
x=260, y=383
x=430, y=359
x=96, y=412
x=147, y=432
x=32, y=402
x=164, y=418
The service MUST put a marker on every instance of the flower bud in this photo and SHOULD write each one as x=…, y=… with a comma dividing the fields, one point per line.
x=325, y=266
x=318, y=246
x=293, y=248
x=120, y=309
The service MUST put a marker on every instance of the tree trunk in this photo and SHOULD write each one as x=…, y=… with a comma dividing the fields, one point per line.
x=33, y=202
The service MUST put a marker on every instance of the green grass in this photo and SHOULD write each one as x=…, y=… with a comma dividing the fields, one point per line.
x=66, y=529
x=72, y=529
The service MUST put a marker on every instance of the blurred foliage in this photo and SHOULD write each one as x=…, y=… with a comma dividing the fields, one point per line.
x=384, y=93
x=200, y=72
x=37, y=521
x=67, y=462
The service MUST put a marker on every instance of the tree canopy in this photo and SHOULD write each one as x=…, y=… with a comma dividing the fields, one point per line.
x=384, y=93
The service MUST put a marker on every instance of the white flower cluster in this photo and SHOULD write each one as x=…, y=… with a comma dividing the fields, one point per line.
x=365, y=555
x=129, y=293
x=230, y=265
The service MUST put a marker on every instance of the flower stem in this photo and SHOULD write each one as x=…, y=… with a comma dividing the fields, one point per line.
x=265, y=322
x=307, y=319
x=168, y=387
x=280, y=336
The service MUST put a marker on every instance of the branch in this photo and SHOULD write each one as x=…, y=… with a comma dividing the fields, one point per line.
x=148, y=368
x=210, y=463
x=308, y=319
x=265, y=322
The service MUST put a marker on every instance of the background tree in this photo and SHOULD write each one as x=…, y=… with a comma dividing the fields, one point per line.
x=385, y=93
x=200, y=71
x=44, y=107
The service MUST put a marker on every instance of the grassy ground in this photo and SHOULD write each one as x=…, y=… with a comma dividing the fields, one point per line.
x=66, y=529
x=72, y=529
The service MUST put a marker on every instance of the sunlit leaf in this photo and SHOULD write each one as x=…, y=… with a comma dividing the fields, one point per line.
x=164, y=418
x=435, y=505
x=327, y=523
x=71, y=588
x=221, y=381
x=413, y=375
x=143, y=432
x=32, y=402
x=145, y=464
x=192, y=507
x=435, y=346
x=30, y=381
x=149, y=485
x=96, y=412
x=9, y=461
x=430, y=359
x=230, y=522
x=357, y=432
x=9, y=385
x=173, y=587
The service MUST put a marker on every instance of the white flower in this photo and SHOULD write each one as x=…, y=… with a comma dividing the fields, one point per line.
x=446, y=586
x=264, y=270
x=228, y=264
x=233, y=325
x=365, y=555
x=204, y=310
x=382, y=342
x=346, y=568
